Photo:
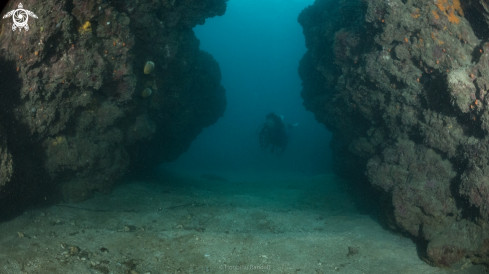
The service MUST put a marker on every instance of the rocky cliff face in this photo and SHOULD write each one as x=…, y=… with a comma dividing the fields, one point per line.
x=95, y=88
x=403, y=86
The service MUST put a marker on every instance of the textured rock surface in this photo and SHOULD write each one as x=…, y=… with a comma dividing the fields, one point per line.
x=71, y=92
x=403, y=87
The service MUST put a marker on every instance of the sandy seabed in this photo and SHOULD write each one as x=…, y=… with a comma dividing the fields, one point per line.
x=183, y=222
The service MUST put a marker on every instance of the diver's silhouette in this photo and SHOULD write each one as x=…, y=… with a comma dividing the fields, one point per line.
x=273, y=134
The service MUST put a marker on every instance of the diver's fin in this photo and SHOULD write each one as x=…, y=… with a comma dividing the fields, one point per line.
x=282, y=117
x=295, y=125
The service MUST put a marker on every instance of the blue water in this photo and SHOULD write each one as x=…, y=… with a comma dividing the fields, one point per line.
x=234, y=204
x=258, y=45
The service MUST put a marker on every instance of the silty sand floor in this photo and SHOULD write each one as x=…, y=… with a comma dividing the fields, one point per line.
x=231, y=223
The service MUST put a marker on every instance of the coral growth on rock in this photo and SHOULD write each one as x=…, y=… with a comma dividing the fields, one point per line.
x=71, y=92
x=403, y=87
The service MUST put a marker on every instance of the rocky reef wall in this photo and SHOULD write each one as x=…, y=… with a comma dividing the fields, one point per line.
x=403, y=85
x=97, y=88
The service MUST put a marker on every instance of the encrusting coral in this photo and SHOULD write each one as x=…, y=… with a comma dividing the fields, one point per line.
x=87, y=27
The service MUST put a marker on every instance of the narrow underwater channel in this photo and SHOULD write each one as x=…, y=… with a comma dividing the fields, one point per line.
x=215, y=136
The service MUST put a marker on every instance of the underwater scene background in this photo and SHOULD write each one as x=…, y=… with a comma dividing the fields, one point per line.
x=215, y=136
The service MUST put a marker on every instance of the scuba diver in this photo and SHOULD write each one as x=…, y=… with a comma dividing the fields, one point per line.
x=273, y=134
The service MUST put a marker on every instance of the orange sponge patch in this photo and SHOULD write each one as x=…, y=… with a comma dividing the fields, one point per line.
x=415, y=14
x=449, y=10
x=436, y=14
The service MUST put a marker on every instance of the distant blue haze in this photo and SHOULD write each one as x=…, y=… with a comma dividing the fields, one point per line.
x=258, y=44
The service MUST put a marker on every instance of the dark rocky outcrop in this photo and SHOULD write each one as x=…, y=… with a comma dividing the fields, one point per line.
x=73, y=119
x=403, y=87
